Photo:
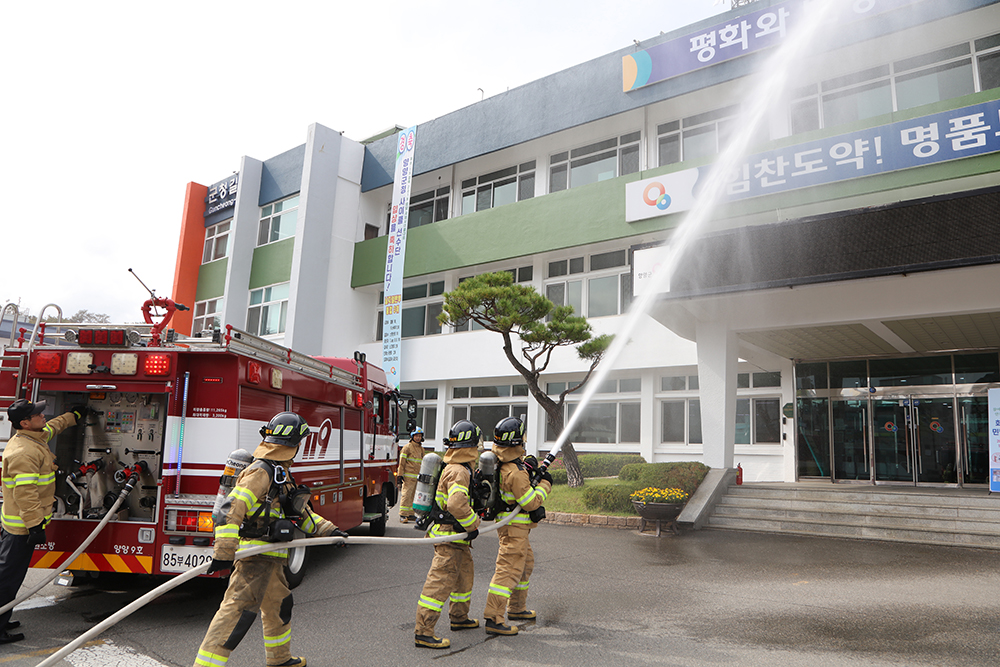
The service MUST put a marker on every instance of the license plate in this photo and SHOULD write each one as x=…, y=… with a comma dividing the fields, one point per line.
x=182, y=559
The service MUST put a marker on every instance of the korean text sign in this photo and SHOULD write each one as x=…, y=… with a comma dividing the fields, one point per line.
x=743, y=35
x=392, y=316
x=939, y=137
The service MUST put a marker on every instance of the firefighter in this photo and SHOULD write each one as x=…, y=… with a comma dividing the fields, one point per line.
x=508, y=592
x=451, y=573
x=410, y=457
x=257, y=512
x=29, y=486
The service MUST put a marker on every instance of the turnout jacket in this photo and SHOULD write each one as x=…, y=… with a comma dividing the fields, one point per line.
x=453, y=497
x=410, y=457
x=29, y=476
x=245, y=499
x=516, y=488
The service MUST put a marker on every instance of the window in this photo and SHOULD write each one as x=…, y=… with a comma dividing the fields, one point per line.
x=268, y=310
x=216, y=242
x=417, y=319
x=931, y=77
x=278, y=220
x=760, y=417
x=486, y=414
x=680, y=421
x=207, y=315
x=607, y=294
x=596, y=162
x=497, y=188
x=428, y=207
x=695, y=137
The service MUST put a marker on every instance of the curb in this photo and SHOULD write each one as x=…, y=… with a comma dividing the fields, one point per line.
x=593, y=520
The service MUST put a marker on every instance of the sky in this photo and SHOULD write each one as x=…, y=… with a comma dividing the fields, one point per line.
x=113, y=107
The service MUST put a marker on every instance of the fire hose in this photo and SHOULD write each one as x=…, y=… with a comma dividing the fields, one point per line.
x=306, y=542
x=194, y=572
x=126, y=490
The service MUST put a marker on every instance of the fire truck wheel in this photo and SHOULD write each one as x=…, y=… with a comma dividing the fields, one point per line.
x=295, y=568
x=376, y=527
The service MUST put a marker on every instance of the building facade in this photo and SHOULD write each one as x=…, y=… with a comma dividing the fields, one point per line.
x=835, y=320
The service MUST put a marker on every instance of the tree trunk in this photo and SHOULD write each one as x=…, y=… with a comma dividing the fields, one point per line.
x=574, y=476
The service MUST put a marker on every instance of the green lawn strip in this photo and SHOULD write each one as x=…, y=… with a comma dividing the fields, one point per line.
x=564, y=499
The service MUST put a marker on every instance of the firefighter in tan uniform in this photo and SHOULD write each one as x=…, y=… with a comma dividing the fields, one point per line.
x=508, y=592
x=451, y=573
x=259, y=510
x=410, y=457
x=29, y=486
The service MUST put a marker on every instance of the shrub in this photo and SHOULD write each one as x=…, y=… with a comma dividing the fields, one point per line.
x=558, y=475
x=611, y=498
x=684, y=475
x=597, y=465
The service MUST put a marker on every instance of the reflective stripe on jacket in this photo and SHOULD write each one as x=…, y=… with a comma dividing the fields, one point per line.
x=410, y=457
x=453, y=497
x=29, y=476
x=515, y=488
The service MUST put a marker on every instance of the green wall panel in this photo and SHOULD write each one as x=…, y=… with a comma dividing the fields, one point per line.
x=272, y=263
x=596, y=212
x=212, y=280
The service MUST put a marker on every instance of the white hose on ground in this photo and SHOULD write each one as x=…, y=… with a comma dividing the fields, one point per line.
x=79, y=550
x=306, y=542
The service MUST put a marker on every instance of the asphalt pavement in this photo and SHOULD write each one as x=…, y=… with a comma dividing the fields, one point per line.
x=603, y=597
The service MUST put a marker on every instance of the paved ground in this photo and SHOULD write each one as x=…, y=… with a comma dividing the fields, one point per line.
x=604, y=597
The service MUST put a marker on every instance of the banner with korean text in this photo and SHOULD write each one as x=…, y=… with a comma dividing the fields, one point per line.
x=940, y=137
x=392, y=317
x=994, y=435
x=746, y=34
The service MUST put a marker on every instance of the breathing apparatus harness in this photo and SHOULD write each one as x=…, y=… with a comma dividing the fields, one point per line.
x=436, y=515
x=528, y=464
x=292, y=499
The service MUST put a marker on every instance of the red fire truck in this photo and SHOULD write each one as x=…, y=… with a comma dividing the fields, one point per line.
x=180, y=405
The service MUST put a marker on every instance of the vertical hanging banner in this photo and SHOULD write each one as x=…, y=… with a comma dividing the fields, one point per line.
x=392, y=331
x=994, y=435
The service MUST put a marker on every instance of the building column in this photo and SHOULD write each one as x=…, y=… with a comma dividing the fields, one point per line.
x=717, y=358
x=647, y=412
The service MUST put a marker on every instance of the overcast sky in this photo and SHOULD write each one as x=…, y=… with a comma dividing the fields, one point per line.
x=111, y=108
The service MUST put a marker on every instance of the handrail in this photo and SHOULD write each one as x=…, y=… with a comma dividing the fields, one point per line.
x=39, y=322
x=13, y=326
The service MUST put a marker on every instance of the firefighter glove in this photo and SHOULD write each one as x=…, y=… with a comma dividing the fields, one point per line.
x=544, y=475
x=36, y=535
x=473, y=534
x=219, y=565
x=79, y=411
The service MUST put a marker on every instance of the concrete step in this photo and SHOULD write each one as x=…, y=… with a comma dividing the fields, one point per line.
x=863, y=518
x=955, y=517
x=949, y=538
x=884, y=508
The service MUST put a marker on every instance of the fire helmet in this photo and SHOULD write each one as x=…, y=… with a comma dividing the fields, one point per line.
x=417, y=431
x=509, y=433
x=285, y=428
x=464, y=434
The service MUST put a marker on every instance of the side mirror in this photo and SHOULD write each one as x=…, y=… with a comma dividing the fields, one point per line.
x=411, y=409
x=411, y=424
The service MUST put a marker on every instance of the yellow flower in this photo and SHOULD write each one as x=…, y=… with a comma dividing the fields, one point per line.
x=653, y=495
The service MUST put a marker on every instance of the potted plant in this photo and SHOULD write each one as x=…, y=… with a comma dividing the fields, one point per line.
x=659, y=505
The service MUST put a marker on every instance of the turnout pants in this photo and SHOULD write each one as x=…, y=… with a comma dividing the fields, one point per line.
x=406, y=504
x=515, y=562
x=450, y=578
x=15, y=557
x=257, y=582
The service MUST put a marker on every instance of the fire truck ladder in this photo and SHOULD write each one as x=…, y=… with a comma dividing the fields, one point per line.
x=14, y=363
x=247, y=344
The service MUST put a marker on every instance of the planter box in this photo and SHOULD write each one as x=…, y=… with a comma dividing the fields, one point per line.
x=660, y=513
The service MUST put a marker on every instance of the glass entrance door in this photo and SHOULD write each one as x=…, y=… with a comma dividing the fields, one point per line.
x=913, y=440
x=973, y=420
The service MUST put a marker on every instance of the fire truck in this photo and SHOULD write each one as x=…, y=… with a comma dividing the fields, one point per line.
x=171, y=409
